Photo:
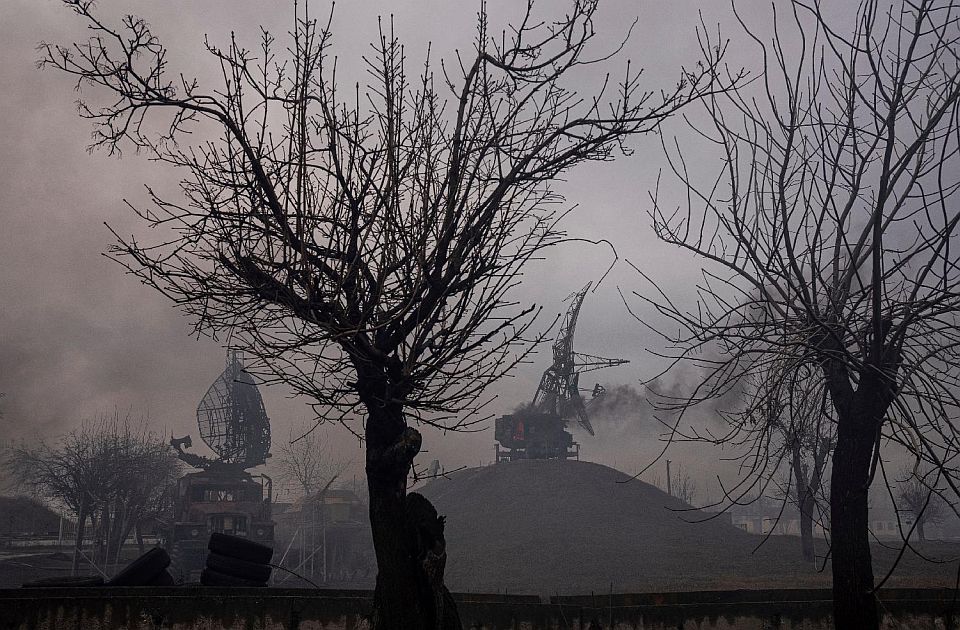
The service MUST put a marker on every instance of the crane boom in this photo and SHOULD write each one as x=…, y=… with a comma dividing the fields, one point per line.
x=539, y=430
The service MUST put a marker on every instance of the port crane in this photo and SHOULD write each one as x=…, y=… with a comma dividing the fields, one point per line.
x=539, y=430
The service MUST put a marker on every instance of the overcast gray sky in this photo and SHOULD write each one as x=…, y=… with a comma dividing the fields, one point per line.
x=79, y=338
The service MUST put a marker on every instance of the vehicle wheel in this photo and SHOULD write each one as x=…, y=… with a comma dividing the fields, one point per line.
x=78, y=580
x=209, y=577
x=239, y=548
x=238, y=568
x=143, y=570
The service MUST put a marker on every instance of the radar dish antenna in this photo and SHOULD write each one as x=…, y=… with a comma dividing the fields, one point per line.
x=232, y=419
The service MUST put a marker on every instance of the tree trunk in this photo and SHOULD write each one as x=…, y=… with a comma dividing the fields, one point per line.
x=805, y=503
x=920, y=532
x=854, y=603
x=78, y=538
x=391, y=446
x=139, y=534
x=118, y=534
x=96, y=538
x=806, y=527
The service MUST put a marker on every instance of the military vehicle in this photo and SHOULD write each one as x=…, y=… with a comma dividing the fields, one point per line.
x=223, y=496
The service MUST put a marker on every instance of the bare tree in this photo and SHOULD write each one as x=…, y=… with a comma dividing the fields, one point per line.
x=921, y=501
x=809, y=455
x=684, y=487
x=679, y=484
x=111, y=472
x=306, y=462
x=796, y=406
x=144, y=472
x=831, y=238
x=363, y=243
x=70, y=474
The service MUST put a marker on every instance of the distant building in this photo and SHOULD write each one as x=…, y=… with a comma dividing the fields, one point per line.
x=771, y=516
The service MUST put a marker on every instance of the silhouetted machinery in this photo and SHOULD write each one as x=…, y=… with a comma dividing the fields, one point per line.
x=232, y=421
x=538, y=430
x=223, y=497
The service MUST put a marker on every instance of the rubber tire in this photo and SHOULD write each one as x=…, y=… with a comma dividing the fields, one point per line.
x=240, y=548
x=209, y=577
x=164, y=579
x=238, y=568
x=143, y=570
x=61, y=581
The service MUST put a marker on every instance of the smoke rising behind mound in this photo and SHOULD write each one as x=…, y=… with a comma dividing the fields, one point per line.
x=631, y=432
x=621, y=410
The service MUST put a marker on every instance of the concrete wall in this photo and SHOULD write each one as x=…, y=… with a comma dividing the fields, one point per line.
x=197, y=608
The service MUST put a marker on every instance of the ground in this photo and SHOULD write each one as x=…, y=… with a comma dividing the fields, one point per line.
x=567, y=527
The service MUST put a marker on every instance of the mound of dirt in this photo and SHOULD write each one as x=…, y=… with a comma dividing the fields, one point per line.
x=550, y=526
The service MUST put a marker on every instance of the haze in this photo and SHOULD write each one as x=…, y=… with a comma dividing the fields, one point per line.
x=79, y=338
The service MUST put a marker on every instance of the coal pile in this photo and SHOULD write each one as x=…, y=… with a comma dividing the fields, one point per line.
x=568, y=527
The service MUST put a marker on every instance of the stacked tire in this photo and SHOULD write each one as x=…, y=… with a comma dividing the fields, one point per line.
x=150, y=569
x=235, y=561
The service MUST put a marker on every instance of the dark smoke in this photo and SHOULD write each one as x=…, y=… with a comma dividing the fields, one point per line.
x=621, y=410
x=631, y=432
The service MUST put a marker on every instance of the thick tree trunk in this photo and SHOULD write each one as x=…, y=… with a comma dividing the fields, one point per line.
x=407, y=577
x=920, y=532
x=391, y=446
x=854, y=603
x=409, y=592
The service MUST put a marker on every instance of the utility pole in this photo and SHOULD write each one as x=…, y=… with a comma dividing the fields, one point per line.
x=669, y=480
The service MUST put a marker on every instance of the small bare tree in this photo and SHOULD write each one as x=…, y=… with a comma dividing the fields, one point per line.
x=797, y=413
x=112, y=472
x=362, y=243
x=144, y=472
x=306, y=461
x=70, y=474
x=684, y=487
x=832, y=238
x=922, y=502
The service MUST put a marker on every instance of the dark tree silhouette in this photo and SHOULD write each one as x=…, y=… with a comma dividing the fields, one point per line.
x=306, y=462
x=112, y=472
x=920, y=500
x=362, y=242
x=798, y=410
x=831, y=236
